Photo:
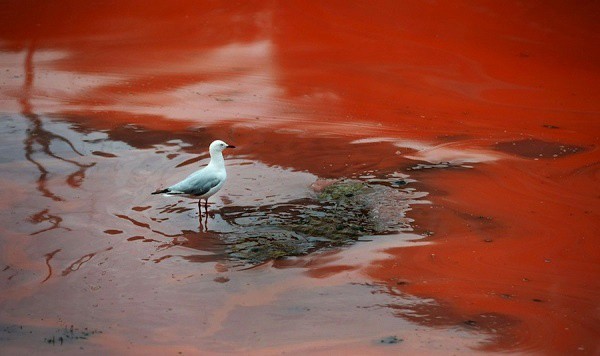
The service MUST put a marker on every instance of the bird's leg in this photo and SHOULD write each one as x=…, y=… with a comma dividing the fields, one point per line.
x=199, y=207
x=206, y=222
x=201, y=225
x=206, y=206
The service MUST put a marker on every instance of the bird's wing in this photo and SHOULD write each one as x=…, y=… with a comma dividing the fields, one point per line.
x=196, y=184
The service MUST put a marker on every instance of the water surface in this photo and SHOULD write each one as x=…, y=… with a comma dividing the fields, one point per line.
x=487, y=112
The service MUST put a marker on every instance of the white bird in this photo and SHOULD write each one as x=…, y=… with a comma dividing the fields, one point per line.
x=205, y=182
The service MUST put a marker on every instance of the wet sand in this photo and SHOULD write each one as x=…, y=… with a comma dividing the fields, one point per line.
x=489, y=111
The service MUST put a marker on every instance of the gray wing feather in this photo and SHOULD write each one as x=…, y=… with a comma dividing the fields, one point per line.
x=196, y=184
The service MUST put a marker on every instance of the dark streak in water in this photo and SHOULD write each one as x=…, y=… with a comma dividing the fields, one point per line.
x=135, y=238
x=143, y=225
x=43, y=215
x=113, y=232
x=81, y=261
x=134, y=222
x=49, y=256
x=104, y=154
x=160, y=259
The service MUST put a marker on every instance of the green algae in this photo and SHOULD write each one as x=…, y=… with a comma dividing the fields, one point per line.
x=338, y=215
x=343, y=191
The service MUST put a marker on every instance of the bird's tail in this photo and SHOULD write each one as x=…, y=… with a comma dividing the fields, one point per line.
x=161, y=191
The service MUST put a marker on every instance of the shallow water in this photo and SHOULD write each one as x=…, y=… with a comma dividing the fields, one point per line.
x=489, y=113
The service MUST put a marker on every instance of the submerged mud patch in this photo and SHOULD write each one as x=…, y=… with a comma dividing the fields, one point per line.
x=500, y=327
x=71, y=333
x=11, y=333
x=441, y=165
x=534, y=148
x=340, y=214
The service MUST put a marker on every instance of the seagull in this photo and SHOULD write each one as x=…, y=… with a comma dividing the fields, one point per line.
x=205, y=182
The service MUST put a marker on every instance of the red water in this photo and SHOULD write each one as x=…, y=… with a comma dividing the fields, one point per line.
x=102, y=102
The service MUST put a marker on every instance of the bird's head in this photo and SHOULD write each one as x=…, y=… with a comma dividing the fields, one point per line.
x=219, y=146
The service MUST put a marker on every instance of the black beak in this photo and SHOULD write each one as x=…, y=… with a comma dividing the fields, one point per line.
x=230, y=146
